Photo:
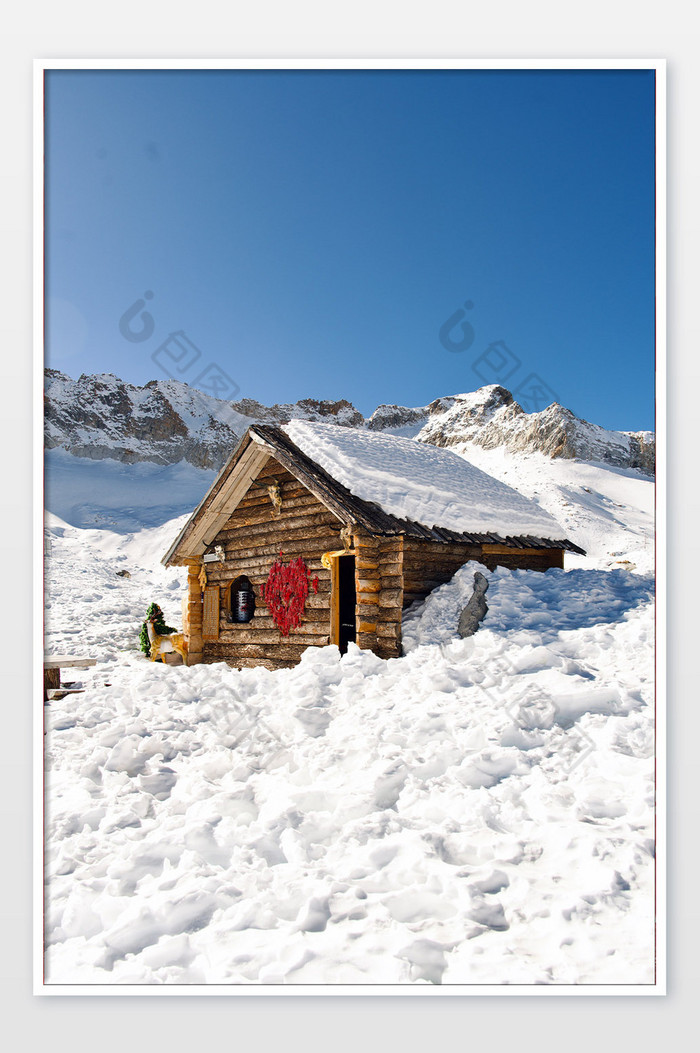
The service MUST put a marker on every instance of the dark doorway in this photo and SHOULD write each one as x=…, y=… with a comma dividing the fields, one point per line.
x=346, y=602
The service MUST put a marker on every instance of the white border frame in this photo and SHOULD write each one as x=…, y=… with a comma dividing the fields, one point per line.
x=375, y=990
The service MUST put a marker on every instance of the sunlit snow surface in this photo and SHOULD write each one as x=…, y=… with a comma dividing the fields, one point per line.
x=477, y=812
x=413, y=480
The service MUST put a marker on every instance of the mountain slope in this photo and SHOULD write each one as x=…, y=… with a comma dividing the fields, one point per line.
x=490, y=417
x=166, y=422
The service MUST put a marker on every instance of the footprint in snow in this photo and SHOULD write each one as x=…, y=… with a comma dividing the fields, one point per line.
x=388, y=786
x=314, y=917
x=495, y=882
x=491, y=915
x=426, y=960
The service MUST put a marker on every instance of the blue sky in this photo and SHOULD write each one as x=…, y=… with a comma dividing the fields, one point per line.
x=312, y=233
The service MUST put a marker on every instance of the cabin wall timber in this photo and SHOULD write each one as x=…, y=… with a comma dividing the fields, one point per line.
x=428, y=564
x=521, y=558
x=252, y=539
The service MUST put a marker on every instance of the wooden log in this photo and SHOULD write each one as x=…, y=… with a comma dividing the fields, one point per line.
x=366, y=641
x=263, y=622
x=367, y=627
x=318, y=598
x=437, y=558
x=275, y=468
x=271, y=636
x=368, y=585
x=315, y=526
x=52, y=680
x=391, y=597
x=258, y=571
x=284, y=653
x=259, y=565
x=279, y=525
x=391, y=567
x=261, y=515
x=305, y=518
x=297, y=542
x=259, y=497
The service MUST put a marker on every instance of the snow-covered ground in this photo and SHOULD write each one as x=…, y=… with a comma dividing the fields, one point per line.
x=121, y=497
x=479, y=811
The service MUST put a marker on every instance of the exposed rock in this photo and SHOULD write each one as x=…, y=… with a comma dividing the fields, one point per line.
x=396, y=417
x=474, y=613
x=490, y=417
x=166, y=422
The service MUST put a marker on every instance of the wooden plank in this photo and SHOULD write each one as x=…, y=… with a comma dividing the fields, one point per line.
x=225, y=501
x=68, y=661
x=210, y=614
x=52, y=681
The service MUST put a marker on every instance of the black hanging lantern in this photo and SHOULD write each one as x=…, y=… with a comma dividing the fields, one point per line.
x=242, y=600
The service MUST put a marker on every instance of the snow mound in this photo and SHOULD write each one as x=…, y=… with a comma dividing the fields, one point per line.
x=415, y=481
x=478, y=811
x=522, y=601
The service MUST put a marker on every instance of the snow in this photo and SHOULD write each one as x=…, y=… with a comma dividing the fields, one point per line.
x=478, y=811
x=419, y=482
x=109, y=494
x=608, y=511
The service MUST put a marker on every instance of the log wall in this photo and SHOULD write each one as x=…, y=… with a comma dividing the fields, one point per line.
x=379, y=586
x=521, y=558
x=427, y=564
x=252, y=538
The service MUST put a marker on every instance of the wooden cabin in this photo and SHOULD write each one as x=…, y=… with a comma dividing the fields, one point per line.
x=279, y=531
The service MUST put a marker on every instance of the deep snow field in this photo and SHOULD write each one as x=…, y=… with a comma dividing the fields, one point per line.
x=477, y=812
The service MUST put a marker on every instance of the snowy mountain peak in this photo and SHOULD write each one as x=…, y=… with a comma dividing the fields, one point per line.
x=167, y=422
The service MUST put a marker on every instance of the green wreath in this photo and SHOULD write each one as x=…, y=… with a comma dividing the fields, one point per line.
x=155, y=614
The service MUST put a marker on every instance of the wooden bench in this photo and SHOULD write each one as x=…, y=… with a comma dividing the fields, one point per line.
x=53, y=664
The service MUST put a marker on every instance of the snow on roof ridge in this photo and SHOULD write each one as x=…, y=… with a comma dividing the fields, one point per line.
x=420, y=482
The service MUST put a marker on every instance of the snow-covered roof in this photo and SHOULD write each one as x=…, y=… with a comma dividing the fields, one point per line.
x=416, y=481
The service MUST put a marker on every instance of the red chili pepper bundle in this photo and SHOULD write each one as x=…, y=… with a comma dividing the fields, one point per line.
x=286, y=592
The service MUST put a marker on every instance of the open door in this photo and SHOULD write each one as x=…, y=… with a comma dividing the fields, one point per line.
x=344, y=599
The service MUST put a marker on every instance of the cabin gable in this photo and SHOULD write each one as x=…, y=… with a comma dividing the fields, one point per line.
x=252, y=538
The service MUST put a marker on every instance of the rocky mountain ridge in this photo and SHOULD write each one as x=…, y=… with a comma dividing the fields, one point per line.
x=167, y=422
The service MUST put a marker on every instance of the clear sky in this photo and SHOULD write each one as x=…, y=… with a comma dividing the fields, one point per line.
x=378, y=236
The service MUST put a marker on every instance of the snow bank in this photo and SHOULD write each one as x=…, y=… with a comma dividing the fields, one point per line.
x=479, y=811
x=416, y=481
x=523, y=601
